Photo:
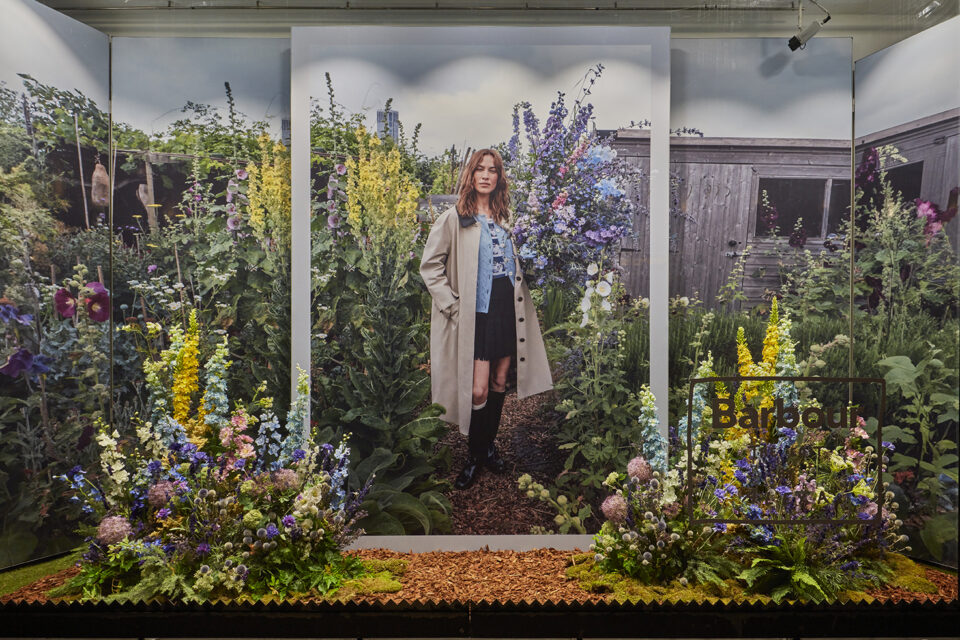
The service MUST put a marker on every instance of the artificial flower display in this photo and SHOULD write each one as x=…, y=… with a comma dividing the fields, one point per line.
x=739, y=475
x=210, y=501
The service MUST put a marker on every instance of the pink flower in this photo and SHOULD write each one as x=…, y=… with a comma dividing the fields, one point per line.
x=614, y=508
x=151, y=268
x=113, y=529
x=285, y=479
x=65, y=303
x=241, y=174
x=341, y=169
x=160, y=493
x=640, y=469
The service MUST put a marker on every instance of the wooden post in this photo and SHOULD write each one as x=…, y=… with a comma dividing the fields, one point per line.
x=83, y=189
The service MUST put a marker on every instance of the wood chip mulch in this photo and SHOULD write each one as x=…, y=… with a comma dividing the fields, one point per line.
x=946, y=584
x=503, y=576
x=494, y=504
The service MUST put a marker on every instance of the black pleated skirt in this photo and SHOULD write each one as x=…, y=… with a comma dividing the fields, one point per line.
x=495, y=332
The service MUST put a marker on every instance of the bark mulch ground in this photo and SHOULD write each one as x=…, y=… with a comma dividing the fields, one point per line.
x=494, y=504
x=505, y=576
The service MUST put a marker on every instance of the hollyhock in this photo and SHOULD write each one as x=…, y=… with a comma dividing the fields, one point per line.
x=65, y=303
x=98, y=305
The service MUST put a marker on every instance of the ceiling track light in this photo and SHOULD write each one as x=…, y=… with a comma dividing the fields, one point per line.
x=799, y=41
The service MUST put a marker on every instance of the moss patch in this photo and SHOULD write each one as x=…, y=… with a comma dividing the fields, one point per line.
x=583, y=569
x=379, y=576
x=908, y=575
x=10, y=581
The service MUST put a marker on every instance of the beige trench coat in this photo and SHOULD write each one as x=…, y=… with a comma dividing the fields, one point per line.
x=449, y=269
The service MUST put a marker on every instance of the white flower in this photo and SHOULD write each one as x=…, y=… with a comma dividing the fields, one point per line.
x=604, y=288
x=584, y=320
x=685, y=301
x=585, y=303
x=592, y=269
x=609, y=277
x=606, y=306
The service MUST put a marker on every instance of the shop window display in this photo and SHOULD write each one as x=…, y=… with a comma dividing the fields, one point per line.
x=761, y=242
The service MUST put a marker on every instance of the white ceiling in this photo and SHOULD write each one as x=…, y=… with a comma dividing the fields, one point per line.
x=873, y=24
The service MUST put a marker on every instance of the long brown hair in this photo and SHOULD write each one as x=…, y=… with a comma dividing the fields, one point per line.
x=499, y=199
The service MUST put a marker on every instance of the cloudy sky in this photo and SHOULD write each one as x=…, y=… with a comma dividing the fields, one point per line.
x=758, y=88
x=914, y=78
x=464, y=94
x=154, y=77
x=54, y=49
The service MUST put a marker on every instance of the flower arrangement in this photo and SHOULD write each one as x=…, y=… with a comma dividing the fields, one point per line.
x=206, y=501
x=571, y=194
x=771, y=471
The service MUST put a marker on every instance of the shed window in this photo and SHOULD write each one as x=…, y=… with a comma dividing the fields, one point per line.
x=906, y=179
x=820, y=205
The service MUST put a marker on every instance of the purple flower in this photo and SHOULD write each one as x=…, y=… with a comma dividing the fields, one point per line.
x=151, y=268
x=154, y=467
x=19, y=361
x=233, y=223
x=9, y=313
x=239, y=463
x=333, y=221
x=241, y=174
x=783, y=490
x=163, y=513
x=298, y=455
x=289, y=521
x=341, y=169
x=65, y=303
x=720, y=494
x=203, y=549
x=272, y=531
x=98, y=305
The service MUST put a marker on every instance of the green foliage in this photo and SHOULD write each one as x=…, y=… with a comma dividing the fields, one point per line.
x=787, y=570
x=571, y=512
x=927, y=406
x=373, y=384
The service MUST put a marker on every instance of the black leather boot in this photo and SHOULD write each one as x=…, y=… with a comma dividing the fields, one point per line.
x=476, y=443
x=492, y=459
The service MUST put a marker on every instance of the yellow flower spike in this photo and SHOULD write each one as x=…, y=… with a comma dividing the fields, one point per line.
x=771, y=340
x=186, y=377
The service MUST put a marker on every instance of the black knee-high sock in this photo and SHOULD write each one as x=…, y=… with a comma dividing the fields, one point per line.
x=495, y=409
x=477, y=438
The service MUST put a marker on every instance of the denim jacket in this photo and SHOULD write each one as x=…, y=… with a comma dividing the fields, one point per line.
x=485, y=267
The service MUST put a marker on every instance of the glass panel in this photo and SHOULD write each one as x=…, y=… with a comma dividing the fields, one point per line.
x=839, y=208
x=908, y=119
x=55, y=289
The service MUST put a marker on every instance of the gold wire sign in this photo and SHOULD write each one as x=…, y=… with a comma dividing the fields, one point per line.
x=725, y=416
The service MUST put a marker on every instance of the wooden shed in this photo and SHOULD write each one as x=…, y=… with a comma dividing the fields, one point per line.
x=716, y=189
x=930, y=168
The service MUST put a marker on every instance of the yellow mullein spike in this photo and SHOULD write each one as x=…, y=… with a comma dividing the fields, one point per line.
x=771, y=340
x=186, y=378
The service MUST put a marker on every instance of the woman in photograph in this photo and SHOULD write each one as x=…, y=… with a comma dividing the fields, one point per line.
x=482, y=316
